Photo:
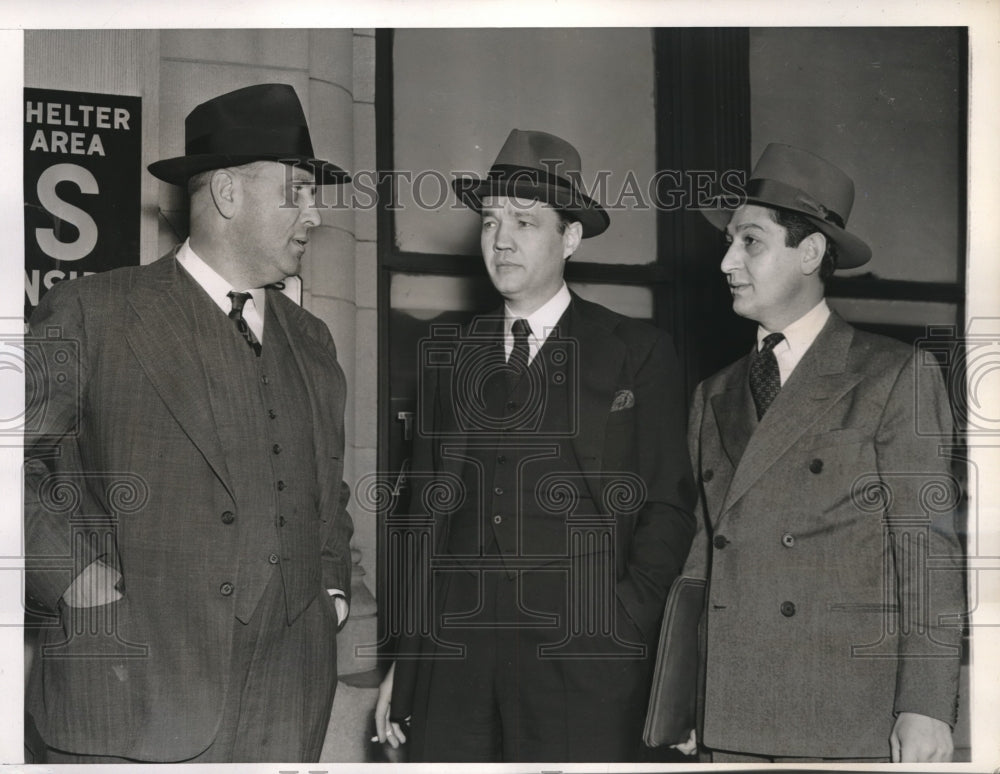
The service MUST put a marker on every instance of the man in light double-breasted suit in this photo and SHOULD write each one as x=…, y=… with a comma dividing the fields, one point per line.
x=826, y=534
x=184, y=504
x=560, y=426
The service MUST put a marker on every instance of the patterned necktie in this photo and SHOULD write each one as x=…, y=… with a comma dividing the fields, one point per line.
x=236, y=315
x=765, y=380
x=518, y=362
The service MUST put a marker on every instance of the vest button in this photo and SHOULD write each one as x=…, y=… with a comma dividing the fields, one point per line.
x=264, y=379
x=788, y=609
x=788, y=540
x=720, y=541
x=281, y=486
x=228, y=517
x=276, y=448
x=708, y=475
x=226, y=589
x=272, y=559
x=271, y=414
x=816, y=466
x=497, y=519
x=498, y=490
x=512, y=404
x=281, y=521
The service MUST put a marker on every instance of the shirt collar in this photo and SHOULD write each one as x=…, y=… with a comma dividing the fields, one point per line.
x=214, y=283
x=543, y=319
x=800, y=334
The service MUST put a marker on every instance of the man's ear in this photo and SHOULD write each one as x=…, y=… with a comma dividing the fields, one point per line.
x=571, y=238
x=812, y=249
x=224, y=195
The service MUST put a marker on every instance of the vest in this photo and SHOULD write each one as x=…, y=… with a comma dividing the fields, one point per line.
x=262, y=400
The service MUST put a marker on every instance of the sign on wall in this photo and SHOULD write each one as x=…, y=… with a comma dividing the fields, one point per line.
x=82, y=166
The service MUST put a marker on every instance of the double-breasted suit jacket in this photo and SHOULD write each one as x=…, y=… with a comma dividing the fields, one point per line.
x=827, y=536
x=149, y=418
x=618, y=432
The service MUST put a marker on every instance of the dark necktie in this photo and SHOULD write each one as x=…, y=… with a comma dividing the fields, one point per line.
x=236, y=315
x=518, y=362
x=765, y=380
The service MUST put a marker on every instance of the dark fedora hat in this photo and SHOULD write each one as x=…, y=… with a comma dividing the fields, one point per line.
x=256, y=123
x=792, y=179
x=537, y=165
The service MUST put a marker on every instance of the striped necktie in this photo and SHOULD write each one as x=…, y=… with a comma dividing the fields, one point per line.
x=236, y=315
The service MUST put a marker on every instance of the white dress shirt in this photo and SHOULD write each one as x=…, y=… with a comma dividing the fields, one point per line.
x=799, y=336
x=218, y=289
x=541, y=322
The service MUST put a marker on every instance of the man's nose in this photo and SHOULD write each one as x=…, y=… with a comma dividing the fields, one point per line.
x=501, y=237
x=732, y=259
x=309, y=215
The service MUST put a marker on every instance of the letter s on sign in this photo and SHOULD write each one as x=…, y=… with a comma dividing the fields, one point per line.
x=87, y=183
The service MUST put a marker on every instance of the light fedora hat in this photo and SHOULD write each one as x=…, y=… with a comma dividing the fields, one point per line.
x=792, y=179
x=256, y=123
x=537, y=165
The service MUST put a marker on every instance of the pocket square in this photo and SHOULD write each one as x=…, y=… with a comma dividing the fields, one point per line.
x=624, y=399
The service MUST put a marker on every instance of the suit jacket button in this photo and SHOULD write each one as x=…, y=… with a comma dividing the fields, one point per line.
x=708, y=475
x=281, y=521
x=281, y=486
x=226, y=589
x=272, y=559
x=228, y=517
x=816, y=466
x=497, y=519
x=788, y=540
x=720, y=541
x=788, y=609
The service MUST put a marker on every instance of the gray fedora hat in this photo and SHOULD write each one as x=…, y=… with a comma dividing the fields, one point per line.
x=256, y=123
x=792, y=179
x=537, y=165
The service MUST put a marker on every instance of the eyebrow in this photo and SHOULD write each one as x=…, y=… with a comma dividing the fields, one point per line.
x=745, y=226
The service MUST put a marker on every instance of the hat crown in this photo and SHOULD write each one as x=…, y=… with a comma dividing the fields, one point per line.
x=529, y=149
x=821, y=182
x=268, y=110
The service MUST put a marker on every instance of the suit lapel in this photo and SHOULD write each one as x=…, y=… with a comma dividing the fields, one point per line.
x=164, y=339
x=819, y=381
x=600, y=356
x=734, y=413
x=309, y=358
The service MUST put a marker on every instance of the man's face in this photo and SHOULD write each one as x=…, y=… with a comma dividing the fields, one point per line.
x=278, y=210
x=524, y=251
x=771, y=283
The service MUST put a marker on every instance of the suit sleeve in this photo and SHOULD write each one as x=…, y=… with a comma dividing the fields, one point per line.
x=56, y=369
x=336, y=549
x=664, y=525
x=916, y=478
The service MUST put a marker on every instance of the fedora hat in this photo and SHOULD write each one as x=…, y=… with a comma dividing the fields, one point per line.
x=790, y=178
x=537, y=165
x=256, y=123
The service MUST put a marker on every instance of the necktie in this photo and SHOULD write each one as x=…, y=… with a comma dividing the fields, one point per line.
x=236, y=315
x=518, y=362
x=765, y=380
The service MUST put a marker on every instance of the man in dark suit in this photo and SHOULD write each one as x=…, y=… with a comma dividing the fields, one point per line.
x=825, y=519
x=559, y=426
x=185, y=512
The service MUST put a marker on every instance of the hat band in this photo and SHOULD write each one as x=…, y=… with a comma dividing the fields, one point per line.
x=253, y=141
x=791, y=198
x=512, y=174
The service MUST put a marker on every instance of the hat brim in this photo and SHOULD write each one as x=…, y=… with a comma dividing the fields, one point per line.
x=592, y=216
x=851, y=251
x=182, y=168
